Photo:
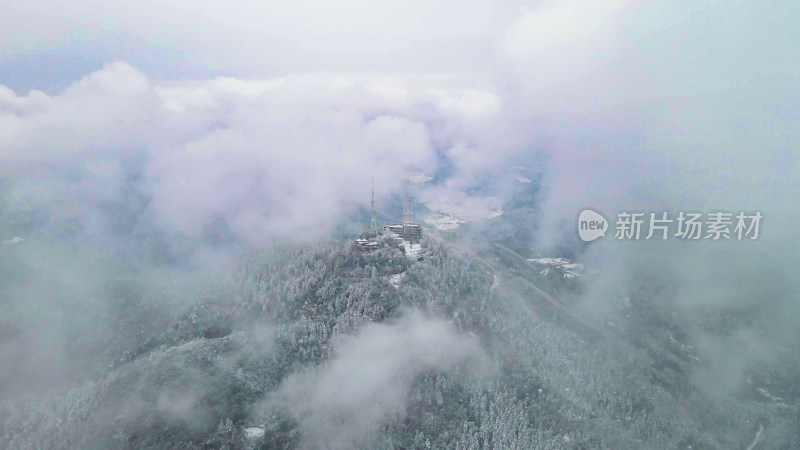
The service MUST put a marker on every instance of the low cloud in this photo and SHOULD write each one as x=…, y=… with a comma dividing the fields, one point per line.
x=650, y=107
x=258, y=160
x=366, y=383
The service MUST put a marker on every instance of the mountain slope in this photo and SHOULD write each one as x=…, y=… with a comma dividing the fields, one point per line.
x=471, y=347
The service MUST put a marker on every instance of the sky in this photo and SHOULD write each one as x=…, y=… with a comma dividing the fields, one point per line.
x=267, y=120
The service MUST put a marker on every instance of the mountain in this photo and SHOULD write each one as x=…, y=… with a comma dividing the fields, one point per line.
x=326, y=346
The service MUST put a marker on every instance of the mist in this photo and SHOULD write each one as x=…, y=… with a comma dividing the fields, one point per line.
x=146, y=154
x=366, y=384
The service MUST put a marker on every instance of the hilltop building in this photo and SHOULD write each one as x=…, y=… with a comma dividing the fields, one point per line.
x=408, y=232
x=366, y=244
x=411, y=232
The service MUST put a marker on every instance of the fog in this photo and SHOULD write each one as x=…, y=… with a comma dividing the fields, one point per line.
x=367, y=382
x=690, y=118
x=143, y=149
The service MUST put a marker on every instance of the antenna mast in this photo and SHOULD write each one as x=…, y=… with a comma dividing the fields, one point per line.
x=373, y=225
x=407, y=206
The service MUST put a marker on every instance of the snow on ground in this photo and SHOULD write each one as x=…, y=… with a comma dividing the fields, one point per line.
x=396, y=279
x=413, y=251
x=451, y=209
x=451, y=220
x=444, y=222
x=755, y=440
x=253, y=432
x=571, y=269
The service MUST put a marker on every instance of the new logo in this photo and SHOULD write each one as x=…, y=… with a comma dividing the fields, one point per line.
x=591, y=225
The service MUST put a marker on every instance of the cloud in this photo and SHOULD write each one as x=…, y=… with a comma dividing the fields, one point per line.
x=366, y=384
x=267, y=159
x=552, y=25
x=654, y=106
x=641, y=105
x=250, y=38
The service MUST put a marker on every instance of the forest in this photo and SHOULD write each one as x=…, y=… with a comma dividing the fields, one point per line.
x=326, y=346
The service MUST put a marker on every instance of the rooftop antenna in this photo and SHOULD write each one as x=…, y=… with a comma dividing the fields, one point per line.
x=373, y=225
